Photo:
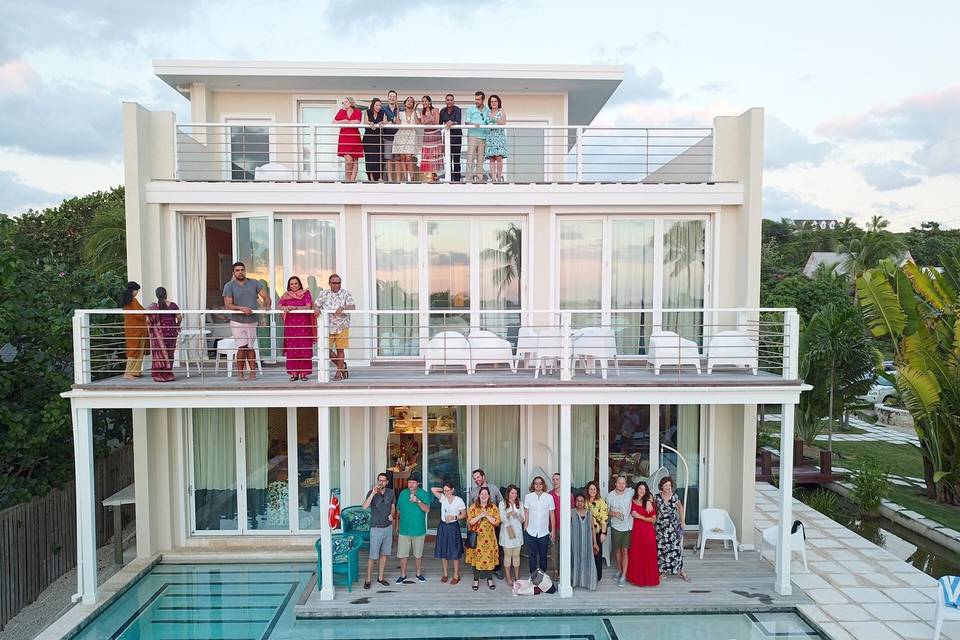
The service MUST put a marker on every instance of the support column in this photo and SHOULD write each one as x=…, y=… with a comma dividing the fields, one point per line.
x=325, y=579
x=86, y=506
x=566, y=479
x=785, y=520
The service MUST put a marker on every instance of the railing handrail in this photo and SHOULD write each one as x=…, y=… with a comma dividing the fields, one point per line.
x=451, y=311
x=509, y=125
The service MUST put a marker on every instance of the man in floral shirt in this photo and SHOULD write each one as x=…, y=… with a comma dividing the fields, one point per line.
x=337, y=301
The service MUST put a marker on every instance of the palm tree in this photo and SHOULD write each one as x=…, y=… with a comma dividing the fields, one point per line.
x=868, y=251
x=919, y=312
x=105, y=240
x=506, y=257
x=838, y=349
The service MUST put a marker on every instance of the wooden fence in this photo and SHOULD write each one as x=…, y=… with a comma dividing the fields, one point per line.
x=38, y=539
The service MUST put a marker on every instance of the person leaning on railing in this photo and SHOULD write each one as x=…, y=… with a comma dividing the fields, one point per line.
x=134, y=330
x=374, y=118
x=496, y=147
x=451, y=115
x=337, y=300
x=405, y=142
x=349, y=146
x=431, y=158
x=242, y=294
x=476, y=116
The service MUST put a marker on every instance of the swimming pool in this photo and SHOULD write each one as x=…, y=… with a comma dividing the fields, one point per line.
x=256, y=602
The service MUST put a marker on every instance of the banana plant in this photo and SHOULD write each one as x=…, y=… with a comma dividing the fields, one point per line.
x=918, y=310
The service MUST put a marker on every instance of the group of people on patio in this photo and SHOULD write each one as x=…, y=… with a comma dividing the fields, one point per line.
x=159, y=332
x=391, y=152
x=646, y=531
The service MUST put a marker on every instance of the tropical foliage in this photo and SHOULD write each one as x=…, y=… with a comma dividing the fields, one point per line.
x=916, y=310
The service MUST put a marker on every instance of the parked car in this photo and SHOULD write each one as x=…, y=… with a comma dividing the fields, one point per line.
x=879, y=392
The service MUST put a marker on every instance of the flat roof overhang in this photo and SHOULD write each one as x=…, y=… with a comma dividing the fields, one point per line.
x=332, y=396
x=588, y=86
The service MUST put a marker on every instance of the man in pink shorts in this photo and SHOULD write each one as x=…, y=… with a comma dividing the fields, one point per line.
x=244, y=295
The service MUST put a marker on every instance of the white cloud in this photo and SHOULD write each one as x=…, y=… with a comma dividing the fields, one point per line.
x=892, y=175
x=16, y=196
x=785, y=146
x=778, y=204
x=639, y=87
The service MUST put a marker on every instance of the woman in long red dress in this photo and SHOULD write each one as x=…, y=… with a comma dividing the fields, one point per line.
x=431, y=159
x=349, y=146
x=164, y=329
x=299, y=333
x=642, y=569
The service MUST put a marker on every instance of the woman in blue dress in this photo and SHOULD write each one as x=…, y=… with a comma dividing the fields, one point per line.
x=496, y=139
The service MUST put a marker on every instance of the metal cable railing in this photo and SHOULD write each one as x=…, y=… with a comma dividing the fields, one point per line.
x=414, y=347
x=216, y=152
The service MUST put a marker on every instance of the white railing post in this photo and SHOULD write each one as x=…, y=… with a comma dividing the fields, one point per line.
x=325, y=579
x=176, y=152
x=323, y=347
x=313, y=151
x=81, y=345
x=579, y=154
x=447, y=158
x=566, y=369
x=791, y=347
x=86, y=505
x=784, y=554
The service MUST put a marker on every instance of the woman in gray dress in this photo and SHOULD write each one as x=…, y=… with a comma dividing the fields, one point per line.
x=582, y=546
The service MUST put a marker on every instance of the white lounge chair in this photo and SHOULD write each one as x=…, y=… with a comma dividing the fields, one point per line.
x=732, y=348
x=798, y=540
x=948, y=589
x=669, y=349
x=486, y=347
x=527, y=345
x=447, y=349
x=549, y=349
x=716, y=524
x=227, y=348
x=274, y=171
x=595, y=346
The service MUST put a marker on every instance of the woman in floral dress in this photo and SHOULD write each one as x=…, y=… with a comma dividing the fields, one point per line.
x=431, y=158
x=299, y=330
x=482, y=517
x=669, y=527
x=601, y=515
x=496, y=149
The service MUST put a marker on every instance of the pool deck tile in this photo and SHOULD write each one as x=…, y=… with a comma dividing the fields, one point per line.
x=871, y=630
x=865, y=594
x=889, y=611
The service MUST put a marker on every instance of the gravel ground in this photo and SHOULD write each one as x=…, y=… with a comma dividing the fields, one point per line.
x=55, y=600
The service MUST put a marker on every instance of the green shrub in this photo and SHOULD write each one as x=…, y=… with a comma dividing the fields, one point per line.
x=870, y=485
x=826, y=502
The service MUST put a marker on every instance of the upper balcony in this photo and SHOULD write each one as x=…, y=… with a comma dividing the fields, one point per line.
x=487, y=356
x=265, y=151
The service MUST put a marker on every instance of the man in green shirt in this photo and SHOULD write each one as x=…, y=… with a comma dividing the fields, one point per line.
x=413, y=504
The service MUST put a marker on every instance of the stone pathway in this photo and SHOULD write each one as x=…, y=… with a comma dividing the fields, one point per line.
x=873, y=433
x=861, y=592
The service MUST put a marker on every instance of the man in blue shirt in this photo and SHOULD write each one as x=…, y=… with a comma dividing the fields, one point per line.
x=450, y=116
x=477, y=115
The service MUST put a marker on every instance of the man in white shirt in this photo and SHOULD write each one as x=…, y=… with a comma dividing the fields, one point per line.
x=337, y=300
x=537, y=507
x=618, y=503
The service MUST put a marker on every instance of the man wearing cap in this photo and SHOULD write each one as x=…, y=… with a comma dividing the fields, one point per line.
x=413, y=504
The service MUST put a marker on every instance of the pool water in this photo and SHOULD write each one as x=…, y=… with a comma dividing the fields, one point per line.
x=256, y=602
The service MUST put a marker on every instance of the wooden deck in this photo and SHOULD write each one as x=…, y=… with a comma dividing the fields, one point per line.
x=718, y=584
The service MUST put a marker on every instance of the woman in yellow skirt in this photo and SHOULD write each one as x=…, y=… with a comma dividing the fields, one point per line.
x=482, y=517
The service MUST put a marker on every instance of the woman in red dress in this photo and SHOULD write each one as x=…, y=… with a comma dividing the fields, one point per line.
x=349, y=146
x=299, y=332
x=642, y=568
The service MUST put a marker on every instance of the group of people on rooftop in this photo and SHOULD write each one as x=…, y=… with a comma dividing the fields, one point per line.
x=646, y=531
x=393, y=153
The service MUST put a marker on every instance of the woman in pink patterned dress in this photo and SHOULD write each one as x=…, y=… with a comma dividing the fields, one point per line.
x=299, y=331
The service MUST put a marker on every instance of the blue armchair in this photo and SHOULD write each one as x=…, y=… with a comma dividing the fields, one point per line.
x=346, y=557
x=356, y=520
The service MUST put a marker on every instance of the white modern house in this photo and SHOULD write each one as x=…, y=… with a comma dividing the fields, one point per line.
x=594, y=314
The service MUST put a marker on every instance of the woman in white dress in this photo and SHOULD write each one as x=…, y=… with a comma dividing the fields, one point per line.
x=405, y=142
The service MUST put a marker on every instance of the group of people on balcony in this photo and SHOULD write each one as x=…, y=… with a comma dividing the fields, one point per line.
x=392, y=154
x=646, y=531
x=159, y=332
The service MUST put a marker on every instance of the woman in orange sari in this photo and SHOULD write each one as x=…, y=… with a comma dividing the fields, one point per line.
x=134, y=331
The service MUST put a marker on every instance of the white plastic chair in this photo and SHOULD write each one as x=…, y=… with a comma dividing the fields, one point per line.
x=798, y=541
x=527, y=345
x=447, y=349
x=549, y=349
x=274, y=171
x=596, y=346
x=669, y=349
x=716, y=524
x=947, y=609
x=227, y=348
x=486, y=347
x=732, y=348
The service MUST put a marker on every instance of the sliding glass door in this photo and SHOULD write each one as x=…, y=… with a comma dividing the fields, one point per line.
x=445, y=274
x=622, y=266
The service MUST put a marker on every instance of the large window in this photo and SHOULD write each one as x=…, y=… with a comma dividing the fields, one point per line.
x=623, y=266
x=450, y=274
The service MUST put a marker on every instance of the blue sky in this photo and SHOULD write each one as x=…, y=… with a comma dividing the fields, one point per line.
x=862, y=98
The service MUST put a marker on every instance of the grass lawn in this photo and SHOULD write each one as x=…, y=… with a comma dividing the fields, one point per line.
x=914, y=500
x=773, y=426
x=898, y=459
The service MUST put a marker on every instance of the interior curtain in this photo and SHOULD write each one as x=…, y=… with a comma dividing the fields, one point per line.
x=256, y=447
x=500, y=445
x=195, y=268
x=396, y=248
x=684, y=256
x=314, y=252
x=583, y=435
x=461, y=417
x=214, y=446
x=632, y=282
x=688, y=440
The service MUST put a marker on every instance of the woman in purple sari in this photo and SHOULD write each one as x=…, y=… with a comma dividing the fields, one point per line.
x=299, y=332
x=164, y=329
